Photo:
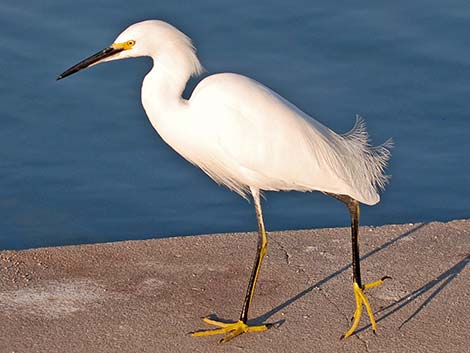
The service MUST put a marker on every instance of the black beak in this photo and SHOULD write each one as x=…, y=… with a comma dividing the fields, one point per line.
x=89, y=61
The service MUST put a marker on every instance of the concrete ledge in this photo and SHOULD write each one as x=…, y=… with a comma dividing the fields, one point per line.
x=145, y=296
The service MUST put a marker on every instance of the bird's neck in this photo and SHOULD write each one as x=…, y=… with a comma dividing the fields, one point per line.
x=163, y=102
x=163, y=87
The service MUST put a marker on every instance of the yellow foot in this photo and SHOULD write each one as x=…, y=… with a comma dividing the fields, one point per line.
x=233, y=329
x=360, y=300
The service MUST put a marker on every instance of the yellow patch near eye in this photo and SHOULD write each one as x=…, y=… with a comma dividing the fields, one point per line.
x=124, y=45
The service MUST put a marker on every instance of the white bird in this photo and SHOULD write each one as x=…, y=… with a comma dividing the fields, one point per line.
x=250, y=139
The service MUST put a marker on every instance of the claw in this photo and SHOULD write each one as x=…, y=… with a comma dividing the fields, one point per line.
x=361, y=299
x=233, y=334
x=214, y=322
x=233, y=329
x=376, y=283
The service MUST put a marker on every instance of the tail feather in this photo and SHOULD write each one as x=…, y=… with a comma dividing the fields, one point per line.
x=351, y=158
x=367, y=161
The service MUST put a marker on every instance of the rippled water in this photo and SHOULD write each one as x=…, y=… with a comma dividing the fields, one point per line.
x=80, y=163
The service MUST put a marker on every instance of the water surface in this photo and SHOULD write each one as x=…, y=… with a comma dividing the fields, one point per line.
x=81, y=164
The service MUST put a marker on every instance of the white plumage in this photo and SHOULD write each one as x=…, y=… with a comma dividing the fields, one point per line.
x=250, y=139
x=244, y=135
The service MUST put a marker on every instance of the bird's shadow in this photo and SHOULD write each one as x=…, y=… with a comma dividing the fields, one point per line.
x=264, y=317
x=440, y=281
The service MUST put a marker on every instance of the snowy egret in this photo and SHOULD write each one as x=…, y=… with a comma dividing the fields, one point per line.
x=250, y=139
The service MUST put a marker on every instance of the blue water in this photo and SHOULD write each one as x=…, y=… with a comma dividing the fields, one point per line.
x=81, y=164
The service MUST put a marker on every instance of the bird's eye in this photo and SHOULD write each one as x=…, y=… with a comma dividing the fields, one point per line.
x=130, y=43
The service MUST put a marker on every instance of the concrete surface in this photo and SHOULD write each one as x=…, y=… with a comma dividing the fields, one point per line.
x=145, y=296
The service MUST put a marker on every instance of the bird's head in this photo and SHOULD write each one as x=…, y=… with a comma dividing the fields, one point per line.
x=147, y=38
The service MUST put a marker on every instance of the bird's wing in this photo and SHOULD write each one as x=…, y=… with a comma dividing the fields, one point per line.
x=262, y=140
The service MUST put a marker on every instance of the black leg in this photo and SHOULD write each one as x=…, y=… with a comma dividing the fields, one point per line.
x=353, y=207
x=261, y=251
x=237, y=328
x=359, y=288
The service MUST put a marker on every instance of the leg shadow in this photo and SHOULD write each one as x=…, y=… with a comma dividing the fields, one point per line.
x=439, y=282
x=266, y=316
